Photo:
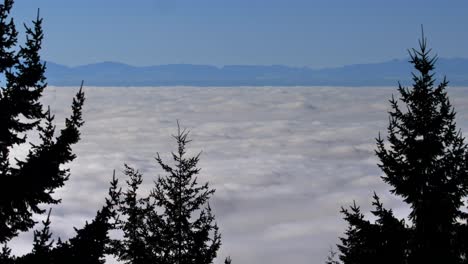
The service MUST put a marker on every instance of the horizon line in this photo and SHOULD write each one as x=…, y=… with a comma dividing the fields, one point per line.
x=222, y=66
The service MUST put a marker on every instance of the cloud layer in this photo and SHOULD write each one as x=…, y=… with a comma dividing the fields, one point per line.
x=283, y=160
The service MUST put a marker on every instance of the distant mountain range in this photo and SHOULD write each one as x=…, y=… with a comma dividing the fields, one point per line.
x=375, y=74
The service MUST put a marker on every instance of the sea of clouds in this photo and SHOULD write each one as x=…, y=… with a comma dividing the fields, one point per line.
x=283, y=160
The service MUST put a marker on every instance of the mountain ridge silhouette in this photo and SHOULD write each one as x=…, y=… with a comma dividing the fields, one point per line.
x=386, y=73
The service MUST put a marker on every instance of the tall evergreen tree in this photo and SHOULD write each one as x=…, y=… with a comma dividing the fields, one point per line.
x=30, y=182
x=133, y=248
x=425, y=163
x=186, y=239
x=162, y=227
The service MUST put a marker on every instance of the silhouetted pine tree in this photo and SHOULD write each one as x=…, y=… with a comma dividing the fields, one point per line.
x=91, y=243
x=42, y=246
x=134, y=247
x=392, y=240
x=384, y=241
x=162, y=227
x=31, y=181
x=425, y=162
x=359, y=245
x=186, y=238
x=88, y=246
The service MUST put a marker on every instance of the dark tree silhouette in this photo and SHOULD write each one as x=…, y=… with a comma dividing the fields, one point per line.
x=425, y=163
x=134, y=247
x=42, y=246
x=186, y=239
x=91, y=243
x=43, y=242
x=30, y=182
x=163, y=227
x=384, y=241
x=359, y=244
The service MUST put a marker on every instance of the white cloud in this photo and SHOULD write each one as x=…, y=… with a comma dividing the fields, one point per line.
x=283, y=160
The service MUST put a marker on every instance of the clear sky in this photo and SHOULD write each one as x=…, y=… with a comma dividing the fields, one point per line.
x=315, y=33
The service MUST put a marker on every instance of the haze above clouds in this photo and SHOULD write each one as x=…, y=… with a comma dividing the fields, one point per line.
x=283, y=160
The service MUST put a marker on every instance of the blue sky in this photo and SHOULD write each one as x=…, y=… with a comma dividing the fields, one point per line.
x=219, y=32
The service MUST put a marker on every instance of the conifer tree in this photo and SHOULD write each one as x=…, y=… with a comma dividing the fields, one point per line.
x=174, y=224
x=133, y=248
x=425, y=163
x=42, y=246
x=30, y=182
x=43, y=242
x=384, y=241
x=89, y=245
x=92, y=242
x=359, y=244
x=186, y=239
